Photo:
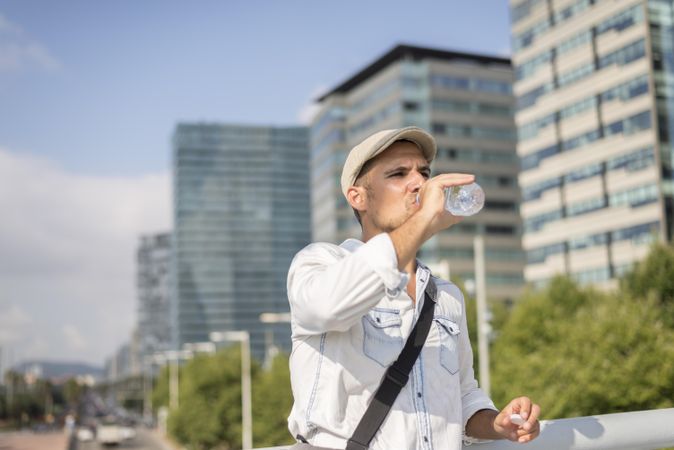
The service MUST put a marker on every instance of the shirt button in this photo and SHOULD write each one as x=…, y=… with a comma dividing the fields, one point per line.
x=419, y=394
x=425, y=438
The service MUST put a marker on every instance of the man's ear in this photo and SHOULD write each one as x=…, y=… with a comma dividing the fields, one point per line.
x=357, y=198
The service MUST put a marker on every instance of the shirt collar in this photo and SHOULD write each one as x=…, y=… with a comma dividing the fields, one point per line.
x=351, y=245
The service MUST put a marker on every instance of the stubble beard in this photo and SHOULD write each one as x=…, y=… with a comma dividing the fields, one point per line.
x=392, y=223
x=395, y=222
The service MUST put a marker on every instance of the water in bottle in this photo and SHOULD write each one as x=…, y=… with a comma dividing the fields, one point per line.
x=464, y=200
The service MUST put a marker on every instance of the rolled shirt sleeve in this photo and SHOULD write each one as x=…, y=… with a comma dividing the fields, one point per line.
x=330, y=288
x=380, y=254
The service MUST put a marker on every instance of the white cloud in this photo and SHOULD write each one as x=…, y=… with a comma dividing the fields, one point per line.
x=68, y=246
x=14, y=322
x=74, y=338
x=18, y=51
x=307, y=113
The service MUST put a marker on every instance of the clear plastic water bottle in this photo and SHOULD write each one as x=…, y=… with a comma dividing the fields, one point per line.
x=464, y=200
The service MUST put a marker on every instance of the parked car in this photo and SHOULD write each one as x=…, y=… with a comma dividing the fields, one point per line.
x=108, y=431
x=84, y=434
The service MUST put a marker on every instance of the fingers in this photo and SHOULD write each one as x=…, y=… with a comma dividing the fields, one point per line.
x=533, y=415
x=435, y=186
x=528, y=435
x=524, y=407
x=530, y=412
x=431, y=200
x=453, y=179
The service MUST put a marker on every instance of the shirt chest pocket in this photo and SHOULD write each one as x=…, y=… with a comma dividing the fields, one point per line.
x=382, y=338
x=448, y=330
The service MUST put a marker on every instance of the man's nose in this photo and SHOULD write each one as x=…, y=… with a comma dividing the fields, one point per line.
x=417, y=181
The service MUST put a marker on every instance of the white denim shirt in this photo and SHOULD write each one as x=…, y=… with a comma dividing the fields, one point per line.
x=351, y=317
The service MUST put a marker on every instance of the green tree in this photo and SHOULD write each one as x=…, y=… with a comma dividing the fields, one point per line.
x=209, y=412
x=580, y=352
x=72, y=391
x=498, y=311
x=209, y=416
x=272, y=401
x=654, y=277
x=160, y=390
x=23, y=402
x=3, y=405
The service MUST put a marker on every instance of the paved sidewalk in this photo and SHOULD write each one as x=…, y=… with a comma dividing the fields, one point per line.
x=165, y=442
x=34, y=441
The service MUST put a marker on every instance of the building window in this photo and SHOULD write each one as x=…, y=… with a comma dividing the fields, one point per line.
x=501, y=229
x=592, y=276
x=588, y=241
x=635, y=197
x=583, y=173
x=534, y=159
x=624, y=55
x=522, y=10
x=527, y=38
x=540, y=254
x=638, y=234
x=535, y=191
x=537, y=222
x=633, y=161
x=410, y=106
x=585, y=206
x=500, y=205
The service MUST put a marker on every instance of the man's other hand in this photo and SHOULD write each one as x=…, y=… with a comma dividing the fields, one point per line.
x=526, y=432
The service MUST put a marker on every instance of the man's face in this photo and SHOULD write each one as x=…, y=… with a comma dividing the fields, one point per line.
x=391, y=184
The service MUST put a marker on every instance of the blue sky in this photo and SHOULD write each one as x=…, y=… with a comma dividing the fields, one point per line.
x=125, y=72
x=90, y=93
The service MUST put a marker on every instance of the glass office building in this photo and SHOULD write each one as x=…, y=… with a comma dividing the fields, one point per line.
x=465, y=100
x=241, y=212
x=153, y=287
x=595, y=96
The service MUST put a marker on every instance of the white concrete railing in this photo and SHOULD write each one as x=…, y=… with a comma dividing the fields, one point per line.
x=639, y=430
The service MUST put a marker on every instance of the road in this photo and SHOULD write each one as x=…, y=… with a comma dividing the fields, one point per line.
x=33, y=441
x=144, y=440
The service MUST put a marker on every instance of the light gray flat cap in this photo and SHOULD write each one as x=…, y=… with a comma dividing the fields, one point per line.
x=377, y=143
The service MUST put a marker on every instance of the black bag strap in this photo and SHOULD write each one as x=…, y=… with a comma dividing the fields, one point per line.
x=395, y=377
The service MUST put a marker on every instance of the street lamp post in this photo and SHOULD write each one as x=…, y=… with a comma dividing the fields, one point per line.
x=147, y=386
x=270, y=349
x=246, y=406
x=173, y=357
x=482, y=313
x=275, y=317
x=174, y=382
x=199, y=347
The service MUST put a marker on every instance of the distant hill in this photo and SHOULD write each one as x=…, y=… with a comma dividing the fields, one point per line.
x=58, y=369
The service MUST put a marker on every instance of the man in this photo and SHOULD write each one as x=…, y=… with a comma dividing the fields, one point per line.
x=354, y=305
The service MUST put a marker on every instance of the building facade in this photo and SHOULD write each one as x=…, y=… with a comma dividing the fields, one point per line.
x=241, y=212
x=465, y=100
x=595, y=98
x=125, y=362
x=152, y=281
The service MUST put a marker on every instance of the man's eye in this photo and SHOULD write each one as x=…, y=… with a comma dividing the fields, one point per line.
x=426, y=175
x=396, y=174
